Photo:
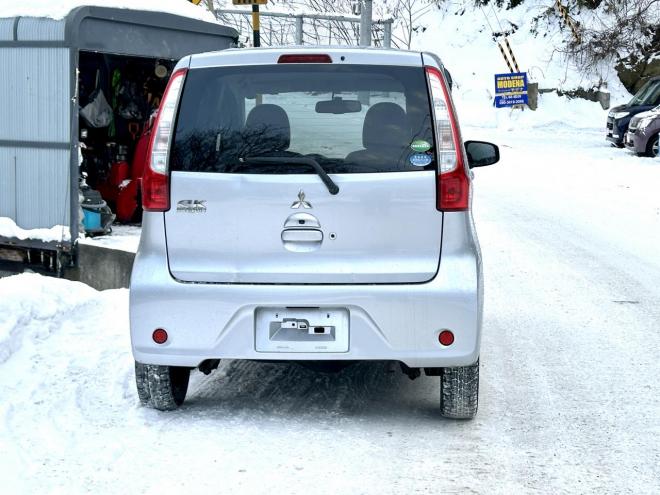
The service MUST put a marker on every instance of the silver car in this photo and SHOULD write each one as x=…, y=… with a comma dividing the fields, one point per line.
x=309, y=205
x=644, y=132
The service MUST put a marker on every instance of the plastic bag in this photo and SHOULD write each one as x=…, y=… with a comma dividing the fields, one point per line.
x=97, y=113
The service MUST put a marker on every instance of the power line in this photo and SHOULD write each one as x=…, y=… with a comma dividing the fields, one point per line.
x=492, y=31
x=497, y=18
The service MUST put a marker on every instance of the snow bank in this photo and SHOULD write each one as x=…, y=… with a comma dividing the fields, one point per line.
x=58, y=9
x=8, y=228
x=31, y=307
x=64, y=358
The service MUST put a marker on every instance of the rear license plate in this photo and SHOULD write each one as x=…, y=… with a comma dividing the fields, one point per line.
x=292, y=329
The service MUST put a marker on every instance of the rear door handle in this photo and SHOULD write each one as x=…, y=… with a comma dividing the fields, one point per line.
x=302, y=235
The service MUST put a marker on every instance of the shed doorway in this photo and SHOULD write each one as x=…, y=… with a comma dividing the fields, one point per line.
x=118, y=97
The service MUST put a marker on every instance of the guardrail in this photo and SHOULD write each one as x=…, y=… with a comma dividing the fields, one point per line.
x=302, y=29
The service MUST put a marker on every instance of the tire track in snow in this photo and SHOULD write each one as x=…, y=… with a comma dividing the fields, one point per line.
x=293, y=389
x=569, y=351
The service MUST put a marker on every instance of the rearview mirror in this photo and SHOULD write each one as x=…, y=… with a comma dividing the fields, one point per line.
x=338, y=106
x=481, y=153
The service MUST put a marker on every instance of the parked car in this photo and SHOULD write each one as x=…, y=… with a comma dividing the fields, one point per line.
x=643, y=133
x=619, y=117
x=297, y=211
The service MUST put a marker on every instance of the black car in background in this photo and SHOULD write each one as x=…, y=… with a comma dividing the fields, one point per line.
x=619, y=117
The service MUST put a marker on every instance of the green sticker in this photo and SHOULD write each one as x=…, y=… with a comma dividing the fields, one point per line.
x=420, y=145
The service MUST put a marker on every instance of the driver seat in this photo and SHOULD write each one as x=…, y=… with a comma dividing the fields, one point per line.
x=267, y=131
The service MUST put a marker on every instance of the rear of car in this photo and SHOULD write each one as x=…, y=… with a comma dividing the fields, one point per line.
x=307, y=206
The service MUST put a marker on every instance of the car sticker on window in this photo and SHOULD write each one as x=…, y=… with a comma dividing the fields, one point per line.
x=420, y=145
x=420, y=159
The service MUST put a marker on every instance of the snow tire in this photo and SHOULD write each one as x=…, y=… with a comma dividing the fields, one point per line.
x=459, y=391
x=161, y=387
x=141, y=383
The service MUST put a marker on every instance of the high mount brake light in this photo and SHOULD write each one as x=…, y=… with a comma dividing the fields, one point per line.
x=453, y=183
x=156, y=181
x=305, y=59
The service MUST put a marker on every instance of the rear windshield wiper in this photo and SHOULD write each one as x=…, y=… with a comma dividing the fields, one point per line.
x=333, y=188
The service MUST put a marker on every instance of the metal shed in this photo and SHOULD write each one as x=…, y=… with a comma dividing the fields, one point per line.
x=39, y=60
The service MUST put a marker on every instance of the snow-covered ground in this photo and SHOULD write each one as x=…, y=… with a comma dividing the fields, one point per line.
x=122, y=237
x=570, y=232
x=58, y=233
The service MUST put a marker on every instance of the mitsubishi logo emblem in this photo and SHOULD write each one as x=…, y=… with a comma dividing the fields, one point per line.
x=301, y=201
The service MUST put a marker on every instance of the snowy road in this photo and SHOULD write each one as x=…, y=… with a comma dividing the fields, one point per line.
x=569, y=392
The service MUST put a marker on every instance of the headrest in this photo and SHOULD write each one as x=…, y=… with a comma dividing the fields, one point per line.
x=385, y=125
x=271, y=123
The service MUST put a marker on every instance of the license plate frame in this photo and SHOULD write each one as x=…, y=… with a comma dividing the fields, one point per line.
x=298, y=329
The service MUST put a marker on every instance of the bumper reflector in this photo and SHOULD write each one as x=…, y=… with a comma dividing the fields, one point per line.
x=159, y=336
x=446, y=337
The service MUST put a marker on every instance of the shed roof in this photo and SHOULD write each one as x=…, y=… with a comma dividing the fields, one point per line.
x=117, y=30
x=59, y=9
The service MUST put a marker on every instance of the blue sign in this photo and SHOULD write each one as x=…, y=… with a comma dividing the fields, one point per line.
x=510, y=100
x=511, y=89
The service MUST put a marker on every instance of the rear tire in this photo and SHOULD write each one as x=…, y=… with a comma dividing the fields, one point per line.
x=652, y=146
x=459, y=391
x=161, y=387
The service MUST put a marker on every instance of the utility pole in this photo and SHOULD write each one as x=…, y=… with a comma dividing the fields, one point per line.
x=365, y=23
x=256, y=38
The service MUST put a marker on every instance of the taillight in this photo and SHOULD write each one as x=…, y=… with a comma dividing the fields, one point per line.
x=453, y=187
x=155, y=181
x=312, y=58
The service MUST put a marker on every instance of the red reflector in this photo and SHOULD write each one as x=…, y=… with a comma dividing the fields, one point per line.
x=446, y=337
x=304, y=59
x=159, y=336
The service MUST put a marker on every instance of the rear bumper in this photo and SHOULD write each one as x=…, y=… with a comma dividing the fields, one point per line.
x=387, y=322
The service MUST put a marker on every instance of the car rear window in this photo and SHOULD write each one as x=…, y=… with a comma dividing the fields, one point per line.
x=349, y=118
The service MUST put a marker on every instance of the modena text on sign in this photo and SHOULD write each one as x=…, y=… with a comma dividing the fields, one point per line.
x=510, y=89
x=249, y=2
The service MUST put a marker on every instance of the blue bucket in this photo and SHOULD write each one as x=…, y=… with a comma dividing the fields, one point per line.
x=91, y=220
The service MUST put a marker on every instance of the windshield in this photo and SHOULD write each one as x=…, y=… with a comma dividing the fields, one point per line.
x=648, y=95
x=349, y=118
